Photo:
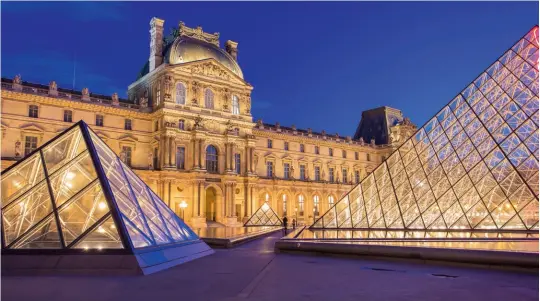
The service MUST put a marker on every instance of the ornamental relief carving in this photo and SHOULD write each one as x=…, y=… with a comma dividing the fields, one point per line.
x=210, y=70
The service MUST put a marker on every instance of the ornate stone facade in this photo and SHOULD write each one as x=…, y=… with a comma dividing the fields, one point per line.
x=187, y=130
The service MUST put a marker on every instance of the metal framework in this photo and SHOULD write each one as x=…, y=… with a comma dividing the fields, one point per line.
x=264, y=216
x=473, y=166
x=74, y=195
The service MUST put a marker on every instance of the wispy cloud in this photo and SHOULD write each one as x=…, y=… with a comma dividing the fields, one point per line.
x=44, y=67
x=78, y=11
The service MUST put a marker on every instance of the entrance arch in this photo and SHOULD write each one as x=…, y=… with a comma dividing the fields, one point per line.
x=211, y=204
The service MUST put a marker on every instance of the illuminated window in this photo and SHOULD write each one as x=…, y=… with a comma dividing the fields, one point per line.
x=181, y=124
x=30, y=144
x=331, y=174
x=284, y=198
x=301, y=205
x=33, y=111
x=286, y=145
x=317, y=173
x=99, y=120
x=211, y=159
x=269, y=143
x=235, y=105
x=301, y=148
x=68, y=116
x=286, y=168
x=330, y=201
x=316, y=149
x=208, y=99
x=269, y=169
x=180, y=94
x=127, y=155
x=302, y=172
x=180, y=157
x=344, y=175
x=127, y=124
x=316, y=205
x=237, y=163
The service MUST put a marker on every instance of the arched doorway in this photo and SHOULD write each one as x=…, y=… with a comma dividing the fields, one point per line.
x=211, y=204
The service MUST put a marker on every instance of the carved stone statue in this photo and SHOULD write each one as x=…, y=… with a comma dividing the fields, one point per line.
x=150, y=160
x=259, y=123
x=17, y=79
x=168, y=87
x=143, y=101
x=292, y=172
x=18, y=149
x=53, y=86
x=198, y=123
x=85, y=92
x=229, y=126
x=323, y=132
x=337, y=135
x=115, y=99
x=293, y=127
x=361, y=141
x=225, y=107
x=278, y=126
x=309, y=131
x=372, y=141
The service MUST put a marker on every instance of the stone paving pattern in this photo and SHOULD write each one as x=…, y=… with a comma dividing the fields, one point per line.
x=254, y=272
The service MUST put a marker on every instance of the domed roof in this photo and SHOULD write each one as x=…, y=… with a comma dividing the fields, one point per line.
x=185, y=50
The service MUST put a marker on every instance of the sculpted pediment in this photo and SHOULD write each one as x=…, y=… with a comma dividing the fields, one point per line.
x=212, y=68
x=128, y=138
x=32, y=127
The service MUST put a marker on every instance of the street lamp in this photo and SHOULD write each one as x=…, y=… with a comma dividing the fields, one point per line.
x=183, y=205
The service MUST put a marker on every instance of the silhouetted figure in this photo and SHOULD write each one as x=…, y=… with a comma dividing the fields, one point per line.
x=285, y=220
x=294, y=223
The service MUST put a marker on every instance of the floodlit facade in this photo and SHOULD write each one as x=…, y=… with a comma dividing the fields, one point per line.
x=187, y=130
x=473, y=166
x=73, y=197
x=264, y=216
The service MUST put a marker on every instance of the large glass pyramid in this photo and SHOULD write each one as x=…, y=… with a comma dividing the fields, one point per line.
x=474, y=165
x=264, y=216
x=74, y=193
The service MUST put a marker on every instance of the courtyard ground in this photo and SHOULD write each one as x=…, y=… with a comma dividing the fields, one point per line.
x=254, y=272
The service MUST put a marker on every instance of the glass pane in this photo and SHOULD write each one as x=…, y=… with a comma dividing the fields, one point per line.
x=44, y=237
x=104, y=236
x=63, y=150
x=21, y=178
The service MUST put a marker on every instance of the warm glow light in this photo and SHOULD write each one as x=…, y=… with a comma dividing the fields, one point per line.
x=68, y=184
x=265, y=206
x=113, y=226
x=70, y=175
x=102, y=205
x=86, y=248
x=183, y=204
x=100, y=248
x=101, y=230
x=17, y=184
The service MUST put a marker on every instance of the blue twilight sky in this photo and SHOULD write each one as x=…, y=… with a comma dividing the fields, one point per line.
x=315, y=64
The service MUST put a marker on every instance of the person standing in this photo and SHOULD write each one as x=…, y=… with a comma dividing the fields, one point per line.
x=294, y=224
x=285, y=220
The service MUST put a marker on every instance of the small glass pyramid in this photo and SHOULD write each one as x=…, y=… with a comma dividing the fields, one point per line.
x=75, y=193
x=474, y=165
x=264, y=216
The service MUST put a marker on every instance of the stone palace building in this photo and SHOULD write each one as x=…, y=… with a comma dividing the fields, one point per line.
x=187, y=130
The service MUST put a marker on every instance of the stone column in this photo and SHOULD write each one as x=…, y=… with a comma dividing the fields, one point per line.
x=233, y=203
x=194, y=155
x=173, y=152
x=202, y=161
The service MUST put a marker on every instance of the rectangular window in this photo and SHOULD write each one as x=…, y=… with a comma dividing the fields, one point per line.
x=344, y=175
x=330, y=152
x=127, y=124
x=237, y=163
x=286, y=146
x=181, y=124
x=316, y=150
x=331, y=174
x=33, y=111
x=269, y=142
x=301, y=205
x=301, y=148
x=317, y=173
x=127, y=155
x=68, y=116
x=357, y=176
x=368, y=157
x=99, y=120
x=355, y=155
x=344, y=153
x=180, y=157
x=269, y=169
x=156, y=158
x=286, y=169
x=302, y=172
x=30, y=144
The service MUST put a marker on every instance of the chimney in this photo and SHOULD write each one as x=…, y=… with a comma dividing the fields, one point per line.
x=156, y=43
x=232, y=49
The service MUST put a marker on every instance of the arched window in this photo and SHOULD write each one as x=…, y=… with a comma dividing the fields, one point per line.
x=208, y=99
x=301, y=205
x=158, y=96
x=235, y=105
x=211, y=159
x=330, y=201
x=181, y=124
x=316, y=205
x=267, y=197
x=284, y=198
x=180, y=94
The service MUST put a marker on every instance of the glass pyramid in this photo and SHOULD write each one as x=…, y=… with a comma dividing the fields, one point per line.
x=474, y=165
x=264, y=216
x=75, y=193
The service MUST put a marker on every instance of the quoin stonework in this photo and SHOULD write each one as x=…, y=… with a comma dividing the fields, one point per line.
x=187, y=130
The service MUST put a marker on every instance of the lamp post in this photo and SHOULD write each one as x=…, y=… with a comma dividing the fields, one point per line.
x=183, y=205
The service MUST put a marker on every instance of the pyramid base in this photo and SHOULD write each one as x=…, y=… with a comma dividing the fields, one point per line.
x=102, y=264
